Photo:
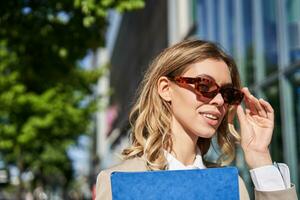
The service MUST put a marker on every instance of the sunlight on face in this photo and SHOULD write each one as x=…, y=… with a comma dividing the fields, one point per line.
x=191, y=114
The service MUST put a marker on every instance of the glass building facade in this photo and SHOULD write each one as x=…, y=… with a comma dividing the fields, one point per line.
x=264, y=38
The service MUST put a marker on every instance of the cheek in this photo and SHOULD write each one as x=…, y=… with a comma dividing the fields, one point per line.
x=184, y=101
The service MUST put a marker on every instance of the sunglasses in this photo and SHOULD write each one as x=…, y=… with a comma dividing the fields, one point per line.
x=207, y=87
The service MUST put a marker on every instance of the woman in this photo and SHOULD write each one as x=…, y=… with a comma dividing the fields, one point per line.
x=190, y=93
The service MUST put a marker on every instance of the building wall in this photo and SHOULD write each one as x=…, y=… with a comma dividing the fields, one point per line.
x=263, y=37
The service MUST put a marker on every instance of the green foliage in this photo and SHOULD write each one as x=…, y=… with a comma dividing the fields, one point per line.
x=46, y=98
x=36, y=129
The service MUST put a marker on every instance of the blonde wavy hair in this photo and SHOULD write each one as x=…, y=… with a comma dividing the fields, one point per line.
x=150, y=117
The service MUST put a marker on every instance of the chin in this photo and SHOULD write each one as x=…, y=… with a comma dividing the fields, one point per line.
x=206, y=134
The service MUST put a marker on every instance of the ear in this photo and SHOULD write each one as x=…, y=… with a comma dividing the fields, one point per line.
x=164, y=89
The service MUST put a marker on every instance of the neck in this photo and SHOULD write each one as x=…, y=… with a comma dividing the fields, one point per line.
x=184, y=147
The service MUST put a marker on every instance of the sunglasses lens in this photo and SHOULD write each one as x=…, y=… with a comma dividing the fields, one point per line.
x=207, y=87
x=232, y=96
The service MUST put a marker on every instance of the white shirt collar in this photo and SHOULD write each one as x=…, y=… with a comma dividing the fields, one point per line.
x=174, y=164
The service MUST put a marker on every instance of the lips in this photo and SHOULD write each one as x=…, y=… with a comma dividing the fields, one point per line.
x=211, y=117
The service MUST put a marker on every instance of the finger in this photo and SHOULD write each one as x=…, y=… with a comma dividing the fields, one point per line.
x=250, y=107
x=268, y=108
x=254, y=104
x=260, y=109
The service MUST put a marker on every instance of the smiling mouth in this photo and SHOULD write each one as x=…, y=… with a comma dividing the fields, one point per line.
x=210, y=116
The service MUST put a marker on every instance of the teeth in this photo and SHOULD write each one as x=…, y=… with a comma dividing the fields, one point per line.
x=210, y=116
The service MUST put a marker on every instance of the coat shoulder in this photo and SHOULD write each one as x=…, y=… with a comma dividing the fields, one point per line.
x=135, y=164
x=103, y=185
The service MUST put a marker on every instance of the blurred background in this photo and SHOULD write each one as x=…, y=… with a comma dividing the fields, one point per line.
x=70, y=69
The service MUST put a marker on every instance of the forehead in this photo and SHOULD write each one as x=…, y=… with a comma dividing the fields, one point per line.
x=217, y=69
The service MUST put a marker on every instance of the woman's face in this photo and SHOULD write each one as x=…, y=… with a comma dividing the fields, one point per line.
x=193, y=113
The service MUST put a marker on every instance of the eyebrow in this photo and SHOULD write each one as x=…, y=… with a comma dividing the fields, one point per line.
x=205, y=75
x=208, y=76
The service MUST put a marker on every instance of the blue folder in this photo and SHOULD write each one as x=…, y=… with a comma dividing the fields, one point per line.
x=204, y=184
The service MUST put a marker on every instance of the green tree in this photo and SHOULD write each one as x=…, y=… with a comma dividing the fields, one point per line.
x=45, y=96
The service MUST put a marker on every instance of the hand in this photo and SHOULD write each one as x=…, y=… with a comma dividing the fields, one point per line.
x=256, y=124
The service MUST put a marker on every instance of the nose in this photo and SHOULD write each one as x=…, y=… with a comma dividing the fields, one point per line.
x=217, y=100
